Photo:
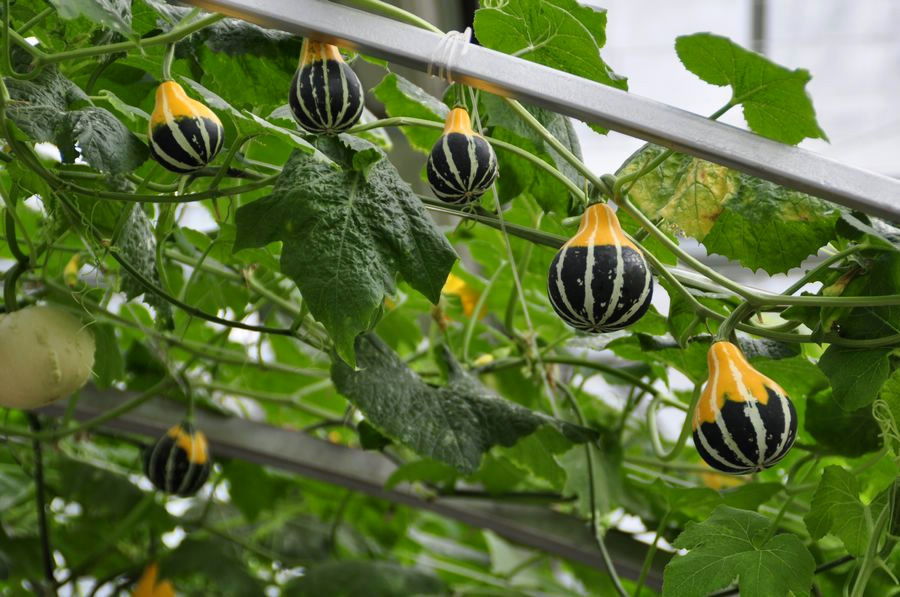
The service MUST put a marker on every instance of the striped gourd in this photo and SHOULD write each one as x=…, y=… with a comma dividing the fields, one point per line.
x=599, y=280
x=184, y=134
x=326, y=95
x=179, y=462
x=744, y=421
x=462, y=164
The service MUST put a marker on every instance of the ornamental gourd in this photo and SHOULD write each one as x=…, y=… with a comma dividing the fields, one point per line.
x=326, y=95
x=462, y=165
x=47, y=354
x=744, y=422
x=179, y=462
x=184, y=134
x=599, y=281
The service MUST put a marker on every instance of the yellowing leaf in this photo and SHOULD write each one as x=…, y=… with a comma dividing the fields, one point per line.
x=456, y=286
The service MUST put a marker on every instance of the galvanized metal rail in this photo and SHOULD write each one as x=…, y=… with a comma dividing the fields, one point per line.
x=532, y=525
x=567, y=94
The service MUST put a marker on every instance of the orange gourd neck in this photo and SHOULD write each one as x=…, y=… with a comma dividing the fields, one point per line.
x=458, y=122
x=316, y=51
x=600, y=226
x=192, y=442
x=173, y=102
x=731, y=377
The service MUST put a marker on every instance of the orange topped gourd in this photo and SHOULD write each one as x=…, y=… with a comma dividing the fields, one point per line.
x=179, y=462
x=184, y=134
x=599, y=280
x=462, y=164
x=326, y=96
x=744, y=422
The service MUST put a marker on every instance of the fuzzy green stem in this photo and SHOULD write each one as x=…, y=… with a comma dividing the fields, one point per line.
x=653, y=431
x=167, y=62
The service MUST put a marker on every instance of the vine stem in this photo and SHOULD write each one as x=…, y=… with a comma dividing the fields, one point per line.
x=870, y=559
x=651, y=553
x=173, y=35
x=167, y=62
x=655, y=440
x=40, y=499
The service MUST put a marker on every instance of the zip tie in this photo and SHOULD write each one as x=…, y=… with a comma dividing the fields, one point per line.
x=452, y=46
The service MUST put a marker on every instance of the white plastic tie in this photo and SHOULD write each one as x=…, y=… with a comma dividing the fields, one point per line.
x=451, y=48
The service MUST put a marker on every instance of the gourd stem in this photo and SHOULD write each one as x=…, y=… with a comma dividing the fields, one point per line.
x=653, y=430
x=40, y=499
x=473, y=318
x=651, y=552
x=167, y=62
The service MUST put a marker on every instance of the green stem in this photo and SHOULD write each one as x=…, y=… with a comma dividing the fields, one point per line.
x=167, y=62
x=870, y=559
x=91, y=423
x=686, y=427
x=282, y=399
x=35, y=20
x=173, y=35
x=41, y=503
x=473, y=318
x=651, y=552
x=395, y=12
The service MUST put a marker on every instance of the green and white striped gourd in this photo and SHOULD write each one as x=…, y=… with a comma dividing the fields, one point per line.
x=184, y=134
x=462, y=164
x=326, y=96
x=179, y=462
x=599, y=281
x=744, y=421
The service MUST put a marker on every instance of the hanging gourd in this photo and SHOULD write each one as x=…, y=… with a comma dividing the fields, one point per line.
x=744, y=422
x=599, y=281
x=184, y=134
x=326, y=95
x=462, y=165
x=179, y=462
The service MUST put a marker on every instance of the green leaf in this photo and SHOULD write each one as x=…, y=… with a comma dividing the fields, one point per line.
x=836, y=508
x=210, y=561
x=371, y=578
x=770, y=227
x=370, y=438
x=856, y=375
x=848, y=433
x=347, y=232
x=113, y=14
x=890, y=398
x=38, y=105
x=560, y=34
x=606, y=474
x=879, y=275
x=101, y=140
x=402, y=98
x=251, y=488
x=755, y=222
x=734, y=545
x=138, y=246
x=774, y=98
x=425, y=471
x=454, y=424
x=109, y=364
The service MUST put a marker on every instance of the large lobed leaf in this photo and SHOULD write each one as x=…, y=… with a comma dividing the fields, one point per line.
x=734, y=545
x=836, y=508
x=456, y=423
x=114, y=14
x=41, y=108
x=774, y=97
x=348, y=228
x=756, y=222
x=560, y=34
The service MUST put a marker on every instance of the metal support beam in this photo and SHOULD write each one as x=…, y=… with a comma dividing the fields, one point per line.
x=295, y=452
x=589, y=101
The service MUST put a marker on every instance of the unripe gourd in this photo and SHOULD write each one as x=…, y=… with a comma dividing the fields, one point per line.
x=326, y=96
x=462, y=165
x=184, y=134
x=599, y=281
x=179, y=462
x=744, y=422
x=47, y=353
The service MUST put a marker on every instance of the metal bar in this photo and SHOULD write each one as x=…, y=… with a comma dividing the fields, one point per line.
x=289, y=450
x=589, y=101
